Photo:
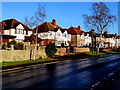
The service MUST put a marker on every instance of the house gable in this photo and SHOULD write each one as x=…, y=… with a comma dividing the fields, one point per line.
x=20, y=26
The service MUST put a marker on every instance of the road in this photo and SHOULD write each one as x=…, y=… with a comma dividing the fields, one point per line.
x=64, y=74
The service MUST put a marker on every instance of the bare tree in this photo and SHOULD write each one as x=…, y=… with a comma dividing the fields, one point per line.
x=100, y=18
x=35, y=20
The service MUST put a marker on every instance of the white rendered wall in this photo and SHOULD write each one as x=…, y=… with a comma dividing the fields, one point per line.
x=58, y=36
x=7, y=32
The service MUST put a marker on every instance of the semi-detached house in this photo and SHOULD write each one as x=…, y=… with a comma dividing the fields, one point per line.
x=79, y=37
x=50, y=31
x=13, y=29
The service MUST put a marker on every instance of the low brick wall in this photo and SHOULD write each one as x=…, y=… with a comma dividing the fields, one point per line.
x=76, y=50
x=20, y=55
x=61, y=51
x=107, y=49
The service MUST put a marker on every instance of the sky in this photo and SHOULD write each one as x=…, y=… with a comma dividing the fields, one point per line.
x=67, y=14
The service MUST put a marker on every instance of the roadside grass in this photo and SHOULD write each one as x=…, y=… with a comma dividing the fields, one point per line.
x=95, y=54
x=110, y=52
x=102, y=53
x=8, y=63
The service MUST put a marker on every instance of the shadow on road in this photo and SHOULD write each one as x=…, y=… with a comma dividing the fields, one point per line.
x=51, y=67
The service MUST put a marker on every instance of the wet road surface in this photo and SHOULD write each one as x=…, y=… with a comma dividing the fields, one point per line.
x=67, y=74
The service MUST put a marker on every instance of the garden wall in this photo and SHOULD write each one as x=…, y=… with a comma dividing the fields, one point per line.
x=61, y=51
x=76, y=50
x=19, y=55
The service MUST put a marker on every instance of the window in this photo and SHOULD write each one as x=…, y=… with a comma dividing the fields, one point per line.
x=20, y=31
x=65, y=42
x=26, y=32
x=42, y=42
x=19, y=40
x=58, y=34
x=65, y=35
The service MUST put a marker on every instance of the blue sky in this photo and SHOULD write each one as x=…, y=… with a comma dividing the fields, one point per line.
x=66, y=13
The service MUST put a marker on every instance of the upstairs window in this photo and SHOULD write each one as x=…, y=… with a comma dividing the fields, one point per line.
x=58, y=34
x=65, y=35
x=26, y=32
x=19, y=31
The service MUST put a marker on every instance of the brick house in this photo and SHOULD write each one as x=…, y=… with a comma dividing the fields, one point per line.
x=13, y=29
x=52, y=32
x=78, y=37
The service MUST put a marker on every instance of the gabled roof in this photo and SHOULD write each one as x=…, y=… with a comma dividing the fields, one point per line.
x=118, y=37
x=74, y=31
x=47, y=26
x=106, y=35
x=12, y=23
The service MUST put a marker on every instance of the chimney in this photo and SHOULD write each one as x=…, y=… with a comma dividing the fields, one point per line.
x=105, y=32
x=79, y=28
x=2, y=25
x=54, y=22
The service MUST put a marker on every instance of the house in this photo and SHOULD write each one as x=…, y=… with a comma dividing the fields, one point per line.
x=13, y=29
x=32, y=39
x=78, y=37
x=52, y=32
x=108, y=40
x=118, y=41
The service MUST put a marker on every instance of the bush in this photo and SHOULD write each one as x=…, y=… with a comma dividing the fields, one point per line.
x=50, y=49
x=20, y=44
x=3, y=46
x=17, y=46
x=13, y=42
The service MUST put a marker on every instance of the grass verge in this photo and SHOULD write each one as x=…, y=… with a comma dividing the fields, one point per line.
x=11, y=63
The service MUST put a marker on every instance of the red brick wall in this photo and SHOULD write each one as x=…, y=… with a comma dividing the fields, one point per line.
x=107, y=49
x=5, y=40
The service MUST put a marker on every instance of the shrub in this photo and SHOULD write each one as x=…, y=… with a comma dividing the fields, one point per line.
x=20, y=44
x=50, y=49
x=17, y=46
x=13, y=42
x=3, y=46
